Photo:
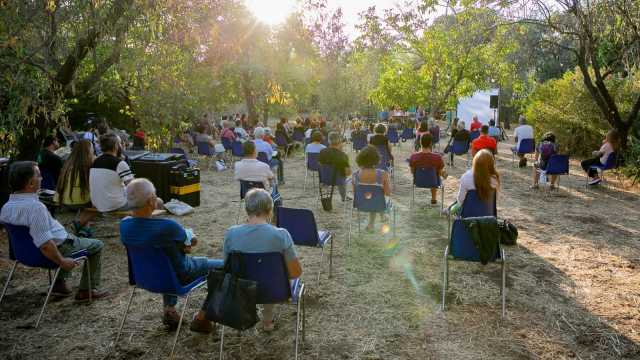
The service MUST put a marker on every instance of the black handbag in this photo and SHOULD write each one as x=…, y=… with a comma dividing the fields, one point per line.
x=231, y=300
x=508, y=232
x=326, y=197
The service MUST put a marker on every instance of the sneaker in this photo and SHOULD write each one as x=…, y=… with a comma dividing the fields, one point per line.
x=434, y=202
x=96, y=294
x=201, y=326
x=61, y=289
x=171, y=319
x=595, y=181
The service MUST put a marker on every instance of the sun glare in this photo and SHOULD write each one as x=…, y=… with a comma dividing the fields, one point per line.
x=271, y=12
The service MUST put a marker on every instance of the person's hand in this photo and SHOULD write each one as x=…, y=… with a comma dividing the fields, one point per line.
x=194, y=241
x=68, y=264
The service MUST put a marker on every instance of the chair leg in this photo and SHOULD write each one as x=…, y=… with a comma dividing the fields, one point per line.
x=306, y=172
x=46, y=300
x=298, y=318
x=413, y=194
x=238, y=212
x=221, y=342
x=442, y=198
x=504, y=284
x=124, y=317
x=350, y=224
x=331, y=258
x=6, y=284
x=87, y=265
x=395, y=213
x=444, y=277
x=320, y=270
x=175, y=339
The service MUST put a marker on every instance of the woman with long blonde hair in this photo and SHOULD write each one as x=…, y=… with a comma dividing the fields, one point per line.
x=482, y=177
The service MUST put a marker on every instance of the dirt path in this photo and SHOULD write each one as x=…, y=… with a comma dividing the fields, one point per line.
x=573, y=284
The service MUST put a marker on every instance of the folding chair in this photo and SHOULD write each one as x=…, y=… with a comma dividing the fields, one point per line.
x=392, y=135
x=269, y=271
x=473, y=135
x=207, y=151
x=459, y=147
x=557, y=165
x=48, y=182
x=312, y=166
x=386, y=162
x=151, y=269
x=282, y=143
x=227, y=143
x=611, y=163
x=427, y=178
x=298, y=135
x=407, y=133
x=236, y=150
x=369, y=198
x=301, y=224
x=22, y=250
x=327, y=178
x=461, y=246
x=526, y=146
x=245, y=186
x=262, y=156
x=435, y=140
x=359, y=141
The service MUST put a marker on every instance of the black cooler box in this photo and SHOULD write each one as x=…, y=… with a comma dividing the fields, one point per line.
x=171, y=175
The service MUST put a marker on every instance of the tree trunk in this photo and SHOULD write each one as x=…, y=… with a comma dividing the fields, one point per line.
x=31, y=139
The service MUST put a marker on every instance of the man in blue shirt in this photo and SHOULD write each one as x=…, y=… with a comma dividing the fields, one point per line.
x=173, y=239
x=264, y=147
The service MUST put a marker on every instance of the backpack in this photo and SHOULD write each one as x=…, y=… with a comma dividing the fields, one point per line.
x=547, y=149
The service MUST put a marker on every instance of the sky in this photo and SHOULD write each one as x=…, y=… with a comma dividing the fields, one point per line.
x=273, y=12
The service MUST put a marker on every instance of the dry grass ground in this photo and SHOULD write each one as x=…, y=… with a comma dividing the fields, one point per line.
x=573, y=284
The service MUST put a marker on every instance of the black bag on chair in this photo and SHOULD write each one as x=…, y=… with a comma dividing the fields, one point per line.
x=231, y=300
x=508, y=232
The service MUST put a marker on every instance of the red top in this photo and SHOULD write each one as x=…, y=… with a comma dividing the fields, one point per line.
x=484, y=142
x=476, y=125
x=228, y=133
x=425, y=160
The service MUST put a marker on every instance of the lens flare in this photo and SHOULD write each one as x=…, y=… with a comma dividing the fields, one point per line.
x=368, y=195
x=385, y=229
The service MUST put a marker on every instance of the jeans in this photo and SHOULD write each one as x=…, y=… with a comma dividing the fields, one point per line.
x=279, y=165
x=586, y=164
x=201, y=266
x=94, y=249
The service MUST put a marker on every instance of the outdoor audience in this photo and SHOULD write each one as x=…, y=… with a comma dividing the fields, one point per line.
x=336, y=158
x=250, y=168
x=425, y=159
x=610, y=144
x=367, y=160
x=544, y=150
x=48, y=161
x=176, y=242
x=484, y=141
x=25, y=209
x=523, y=131
x=259, y=236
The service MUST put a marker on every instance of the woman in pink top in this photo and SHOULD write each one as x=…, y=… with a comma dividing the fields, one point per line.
x=610, y=145
x=227, y=132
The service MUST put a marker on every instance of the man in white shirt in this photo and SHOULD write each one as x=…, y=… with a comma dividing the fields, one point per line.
x=250, y=169
x=108, y=176
x=315, y=146
x=48, y=235
x=523, y=131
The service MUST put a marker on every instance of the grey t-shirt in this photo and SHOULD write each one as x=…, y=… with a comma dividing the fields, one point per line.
x=258, y=239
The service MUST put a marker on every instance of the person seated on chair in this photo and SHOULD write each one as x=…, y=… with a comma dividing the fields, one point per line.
x=458, y=134
x=434, y=129
x=259, y=236
x=380, y=139
x=336, y=158
x=494, y=131
x=203, y=137
x=367, y=160
x=73, y=187
x=265, y=147
x=523, y=131
x=484, y=141
x=427, y=159
x=482, y=177
x=48, y=161
x=24, y=209
x=316, y=145
x=241, y=133
x=476, y=125
x=544, y=150
x=282, y=132
x=141, y=229
x=250, y=168
x=227, y=132
x=610, y=144
x=108, y=176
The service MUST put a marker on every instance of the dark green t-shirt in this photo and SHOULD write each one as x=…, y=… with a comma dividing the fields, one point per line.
x=336, y=158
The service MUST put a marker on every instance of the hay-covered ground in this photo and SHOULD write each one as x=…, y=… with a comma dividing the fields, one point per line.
x=573, y=284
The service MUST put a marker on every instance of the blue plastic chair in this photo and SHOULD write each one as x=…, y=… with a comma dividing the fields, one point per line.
x=262, y=156
x=369, y=198
x=474, y=135
x=236, y=150
x=427, y=178
x=298, y=135
x=312, y=166
x=22, y=250
x=48, y=181
x=386, y=162
x=611, y=163
x=273, y=285
x=407, y=133
x=557, y=165
x=245, y=186
x=461, y=246
x=526, y=146
x=207, y=151
x=151, y=269
x=460, y=147
x=359, y=141
x=301, y=224
x=392, y=135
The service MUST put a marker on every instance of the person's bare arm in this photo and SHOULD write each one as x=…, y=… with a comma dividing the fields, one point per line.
x=51, y=252
x=386, y=184
x=295, y=268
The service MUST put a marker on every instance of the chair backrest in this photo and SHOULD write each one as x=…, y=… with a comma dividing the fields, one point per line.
x=460, y=147
x=407, y=133
x=245, y=186
x=526, y=146
x=268, y=270
x=368, y=197
x=227, y=143
x=262, y=156
x=385, y=157
x=22, y=248
x=236, y=149
x=326, y=175
x=392, y=135
x=611, y=162
x=462, y=246
x=178, y=150
x=359, y=141
x=281, y=140
x=426, y=178
x=300, y=223
x=48, y=182
x=312, y=161
x=151, y=269
x=203, y=148
x=558, y=165
x=298, y=135
x=474, y=135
